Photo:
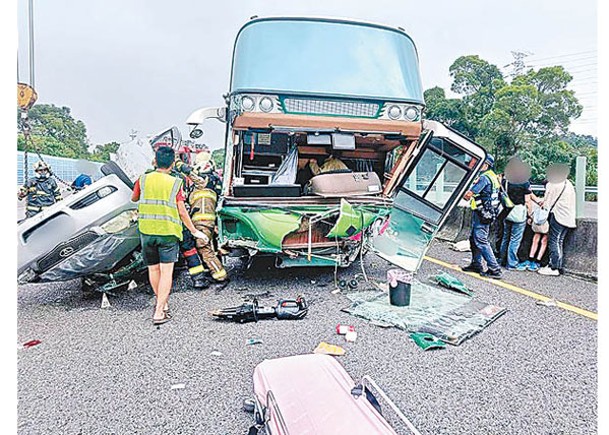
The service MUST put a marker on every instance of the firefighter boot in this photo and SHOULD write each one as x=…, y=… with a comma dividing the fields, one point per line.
x=199, y=281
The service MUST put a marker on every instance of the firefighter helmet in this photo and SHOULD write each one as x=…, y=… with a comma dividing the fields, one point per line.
x=40, y=165
x=203, y=162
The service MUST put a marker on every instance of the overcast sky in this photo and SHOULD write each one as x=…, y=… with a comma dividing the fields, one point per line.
x=144, y=65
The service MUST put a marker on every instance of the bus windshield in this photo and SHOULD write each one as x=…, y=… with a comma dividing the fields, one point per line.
x=326, y=58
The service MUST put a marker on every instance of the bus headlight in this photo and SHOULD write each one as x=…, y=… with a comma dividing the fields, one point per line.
x=411, y=113
x=247, y=103
x=266, y=104
x=394, y=112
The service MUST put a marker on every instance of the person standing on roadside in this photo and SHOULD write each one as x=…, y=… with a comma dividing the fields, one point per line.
x=559, y=200
x=161, y=212
x=484, y=197
x=517, y=187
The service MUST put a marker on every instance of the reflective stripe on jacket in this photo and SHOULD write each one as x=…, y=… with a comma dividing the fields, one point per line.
x=203, y=199
x=479, y=198
x=157, y=208
x=41, y=192
x=203, y=205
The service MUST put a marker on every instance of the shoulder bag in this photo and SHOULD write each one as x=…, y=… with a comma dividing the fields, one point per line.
x=541, y=215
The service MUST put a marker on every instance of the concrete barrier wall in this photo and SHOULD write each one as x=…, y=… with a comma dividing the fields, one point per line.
x=580, y=244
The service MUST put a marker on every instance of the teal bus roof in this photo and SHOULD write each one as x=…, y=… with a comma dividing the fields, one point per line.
x=326, y=57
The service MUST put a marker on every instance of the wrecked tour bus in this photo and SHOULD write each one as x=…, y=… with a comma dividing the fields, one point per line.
x=327, y=151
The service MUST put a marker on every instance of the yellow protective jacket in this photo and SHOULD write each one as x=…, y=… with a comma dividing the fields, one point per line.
x=157, y=207
x=202, y=201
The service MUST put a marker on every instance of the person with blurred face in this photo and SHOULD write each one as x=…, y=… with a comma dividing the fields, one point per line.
x=518, y=188
x=560, y=202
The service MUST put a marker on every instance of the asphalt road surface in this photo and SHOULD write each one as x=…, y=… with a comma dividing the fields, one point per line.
x=109, y=371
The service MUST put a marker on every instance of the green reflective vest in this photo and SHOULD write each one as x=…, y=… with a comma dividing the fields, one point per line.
x=157, y=208
x=476, y=201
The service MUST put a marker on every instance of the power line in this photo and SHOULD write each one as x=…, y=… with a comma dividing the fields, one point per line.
x=562, y=63
x=579, y=53
x=586, y=68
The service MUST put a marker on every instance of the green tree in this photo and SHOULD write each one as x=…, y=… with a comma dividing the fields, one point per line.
x=447, y=111
x=529, y=116
x=55, y=132
x=101, y=153
x=217, y=157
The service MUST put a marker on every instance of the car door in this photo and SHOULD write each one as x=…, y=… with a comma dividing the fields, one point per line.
x=440, y=170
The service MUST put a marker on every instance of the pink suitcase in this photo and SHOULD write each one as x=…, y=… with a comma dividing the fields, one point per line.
x=313, y=394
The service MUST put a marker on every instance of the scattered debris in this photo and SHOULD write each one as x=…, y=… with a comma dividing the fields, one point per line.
x=448, y=281
x=178, y=386
x=450, y=316
x=427, y=341
x=313, y=281
x=336, y=291
x=216, y=353
x=132, y=285
x=343, y=329
x=548, y=303
x=31, y=343
x=351, y=336
x=329, y=349
x=105, y=302
x=252, y=341
x=286, y=309
x=399, y=282
x=462, y=246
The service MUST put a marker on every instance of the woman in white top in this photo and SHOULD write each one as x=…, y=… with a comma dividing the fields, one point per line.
x=559, y=200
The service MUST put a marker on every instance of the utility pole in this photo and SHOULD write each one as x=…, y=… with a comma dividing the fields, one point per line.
x=31, y=31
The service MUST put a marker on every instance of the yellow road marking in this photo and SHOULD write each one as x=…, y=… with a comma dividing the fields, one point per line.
x=529, y=293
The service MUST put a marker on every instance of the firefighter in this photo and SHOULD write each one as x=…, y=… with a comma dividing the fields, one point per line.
x=484, y=201
x=202, y=200
x=187, y=245
x=41, y=192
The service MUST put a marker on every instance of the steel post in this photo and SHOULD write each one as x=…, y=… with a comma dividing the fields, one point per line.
x=580, y=185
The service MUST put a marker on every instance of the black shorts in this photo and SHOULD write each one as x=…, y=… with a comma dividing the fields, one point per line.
x=159, y=249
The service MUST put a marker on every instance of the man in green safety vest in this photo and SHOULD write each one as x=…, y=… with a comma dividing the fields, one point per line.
x=161, y=212
x=484, y=201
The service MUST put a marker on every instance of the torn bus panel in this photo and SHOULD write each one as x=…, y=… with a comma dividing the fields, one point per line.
x=301, y=235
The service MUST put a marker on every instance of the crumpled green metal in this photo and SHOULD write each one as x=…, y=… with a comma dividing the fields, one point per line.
x=350, y=221
x=427, y=341
x=268, y=227
x=450, y=282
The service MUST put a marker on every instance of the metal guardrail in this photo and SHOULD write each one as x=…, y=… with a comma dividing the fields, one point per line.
x=542, y=188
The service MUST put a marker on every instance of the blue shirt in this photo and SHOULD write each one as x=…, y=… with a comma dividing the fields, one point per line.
x=483, y=186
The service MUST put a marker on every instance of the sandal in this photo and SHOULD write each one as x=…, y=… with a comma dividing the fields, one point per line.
x=162, y=320
x=167, y=312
